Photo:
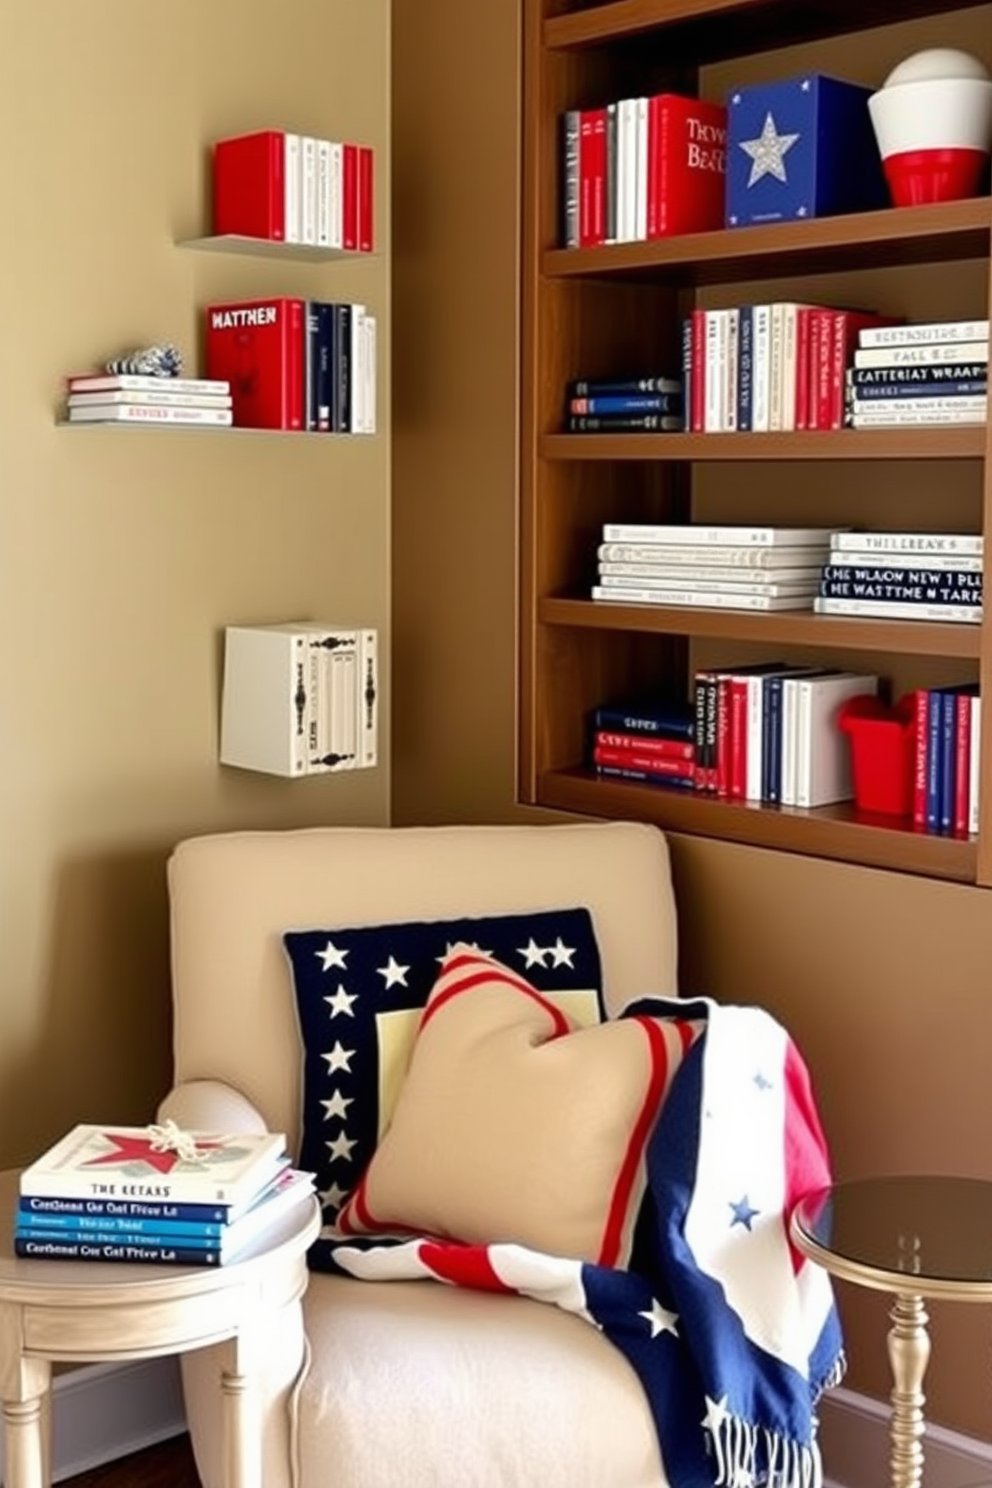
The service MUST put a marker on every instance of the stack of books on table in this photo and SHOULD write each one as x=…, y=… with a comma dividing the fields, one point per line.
x=134, y=398
x=934, y=373
x=720, y=567
x=155, y=1195
x=903, y=576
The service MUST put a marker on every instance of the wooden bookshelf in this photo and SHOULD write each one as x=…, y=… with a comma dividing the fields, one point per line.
x=610, y=306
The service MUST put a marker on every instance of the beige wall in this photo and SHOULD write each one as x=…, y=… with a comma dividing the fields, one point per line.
x=124, y=553
x=883, y=979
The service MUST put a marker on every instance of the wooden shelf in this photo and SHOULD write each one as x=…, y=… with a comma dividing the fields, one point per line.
x=783, y=627
x=898, y=235
x=266, y=248
x=898, y=443
x=829, y=832
x=706, y=30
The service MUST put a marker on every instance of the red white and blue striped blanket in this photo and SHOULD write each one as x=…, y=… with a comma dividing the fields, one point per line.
x=732, y=1333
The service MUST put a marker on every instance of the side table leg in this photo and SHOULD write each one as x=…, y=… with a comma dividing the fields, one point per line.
x=24, y=1447
x=909, y=1353
x=242, y=1435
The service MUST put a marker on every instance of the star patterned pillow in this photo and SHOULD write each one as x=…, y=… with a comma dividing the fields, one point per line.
x=359, y=997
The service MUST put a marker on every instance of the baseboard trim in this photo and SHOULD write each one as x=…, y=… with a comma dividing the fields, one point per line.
x=104, y=1411
x=854, y=1436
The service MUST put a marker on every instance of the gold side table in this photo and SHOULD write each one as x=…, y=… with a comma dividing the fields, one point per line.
x=97, y=1311
x=917, y=1238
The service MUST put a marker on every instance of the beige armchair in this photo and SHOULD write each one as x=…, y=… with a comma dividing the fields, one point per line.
x=405, y=1384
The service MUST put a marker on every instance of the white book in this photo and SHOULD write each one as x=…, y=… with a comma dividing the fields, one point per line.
x=370, y=374
x=336, y=195
x=703, y=599
x=787, y=726
x=137, y=381
x=844, y=564
x=308, y=189
x=356, y=411
x=719, y=575
x=702, y=534
x=754, y=753
x=714, y=371
x=731, y=337
x=641, y=170
x=892, y=609
x=936, y=353
x=897, y=412
x=148, y=413
x=776, y=366
x=823, y=755
x=324, y=193
x=709, y=585
x=292, y=195
x=137, y=397
x=921, y=543
x=368, y=699
x=626, y=170
x=790, y=360
x=690, y=556
x=974, y=762
x=340, y=698
x=761, y=368
x=924, y=333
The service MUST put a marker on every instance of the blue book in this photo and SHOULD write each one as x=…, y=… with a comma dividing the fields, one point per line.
x=687, y=372
x=628, y=403
x=676, y=720
x=909, y=591
x=930, y=374
x=772, y=723
x=58, y=1248
x=745, y=367
x=935, y=763
x=802, y=147
x=110, y=1228
x=885, y=391
x=620, y=772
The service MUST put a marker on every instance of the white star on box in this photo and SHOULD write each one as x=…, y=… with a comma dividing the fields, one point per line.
x=331, y=956
x=660, y=1319
x=768, y=152
x=341, y=1002
x=339, y=1058
x=393, y=973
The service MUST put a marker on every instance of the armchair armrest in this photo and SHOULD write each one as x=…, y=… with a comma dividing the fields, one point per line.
x=210, y=1105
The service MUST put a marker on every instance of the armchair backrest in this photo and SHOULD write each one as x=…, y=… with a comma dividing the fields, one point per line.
x=234, y=894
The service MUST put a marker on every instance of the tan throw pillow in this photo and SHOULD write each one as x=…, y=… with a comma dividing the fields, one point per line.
x=515, y=1125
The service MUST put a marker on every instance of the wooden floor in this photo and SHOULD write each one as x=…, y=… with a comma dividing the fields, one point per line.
x=169, y=1465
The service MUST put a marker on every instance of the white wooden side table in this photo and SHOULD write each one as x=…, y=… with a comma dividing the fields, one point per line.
x=87, y=1312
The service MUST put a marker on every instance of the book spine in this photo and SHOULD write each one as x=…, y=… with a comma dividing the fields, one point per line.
x=754, y=751
x=34, y=1248
x=697, y=397
x=947, y=759
x=956, y=572
x=893, y=610
x=570, y=178
x=624, y=423
x=761, y=369
x=935, y=763
x=620, y=387
x=925, y=333
x=644, y=777
x=640, y=169
x=686, y=362
x=790, y=362
x=737, y=737
x=703, y=535
x=586, y=171
x=106, y=1211
x=677, y=725
x=704, y=599
x=713, y=374
x=893, y=413
x=292, y=183
x=627, y=403
x=920, y=544
x=945, y=592
x=974, y=763
x=148, y=413
x=650, y=764
x=654, y=182
x=611, y=147
x=107, y=1229
x=308, y=189
x=349, y=197
x=366, y=199
x=722, y=741
x=931, y=391
x=745, y=361
x=712, y=720
x=137, y=382
x=776, y=369
x=638, y=578
x=324, y=193
x=939, y=353
x=668, y=555
x=661, y=748
x=962, y=741
x=931, y=378
x=773, y=774
x=731, y=356
x=336, y=193
x=804, y=318
x=921, y=724
x=163, y=399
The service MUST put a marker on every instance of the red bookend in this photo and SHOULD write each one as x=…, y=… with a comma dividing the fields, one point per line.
x=349, y=197
x=689, y=157
x=249, y=185
x=257, y=346
x=366, y=166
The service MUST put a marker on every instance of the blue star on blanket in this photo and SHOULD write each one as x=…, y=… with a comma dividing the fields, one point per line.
x=732, y=1333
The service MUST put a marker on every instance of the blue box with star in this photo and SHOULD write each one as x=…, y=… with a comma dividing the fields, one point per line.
x=802, y=147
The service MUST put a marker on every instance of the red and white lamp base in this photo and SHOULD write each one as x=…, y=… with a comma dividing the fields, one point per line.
x=933, y=122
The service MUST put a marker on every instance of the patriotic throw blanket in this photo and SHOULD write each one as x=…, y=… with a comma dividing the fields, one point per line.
x=732, y=1334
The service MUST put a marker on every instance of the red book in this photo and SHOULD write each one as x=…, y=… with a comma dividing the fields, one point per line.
x=687, y=148
x=962, y=757
x=922, y=698
x=737, y=737
x=249, y=185
x=592, y=177
x=649, y=764
x=349, y=197
x=258, y=346
x=846, y=325
x=697, y=372
x=676, y=749
x=366, y=165
x=804, y=327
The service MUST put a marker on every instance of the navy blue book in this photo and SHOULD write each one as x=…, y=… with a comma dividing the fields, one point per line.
x=673, y=720
x=951, y=589
x=628, y=403
x=935, y=761
x=666, y=782
x=927, y=373
x=885, y=391
x=687, y=372
x=801, y=147
x=883, y=573
x=614, y=387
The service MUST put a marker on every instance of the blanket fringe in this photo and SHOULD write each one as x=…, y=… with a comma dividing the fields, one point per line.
x=747, y=1455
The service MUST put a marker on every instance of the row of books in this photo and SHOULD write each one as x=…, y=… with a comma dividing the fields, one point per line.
x=294, y=188
x=789, y=366
x=155, y=1195
x=766, y=732
x=136, y=398
x=295, y=364
x=946, y=753
x=711, y=566
x=299, y=698
x=641, y=168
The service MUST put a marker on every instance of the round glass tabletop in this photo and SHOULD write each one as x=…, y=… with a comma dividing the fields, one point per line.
x=926, y=1235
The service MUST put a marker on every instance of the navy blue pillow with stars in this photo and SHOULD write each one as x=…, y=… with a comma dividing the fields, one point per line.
x=359, y=995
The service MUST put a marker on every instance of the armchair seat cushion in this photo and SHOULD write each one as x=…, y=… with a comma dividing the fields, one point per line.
x=471, y=1389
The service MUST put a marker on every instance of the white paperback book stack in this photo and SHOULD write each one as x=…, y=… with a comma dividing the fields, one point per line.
x=300, y=698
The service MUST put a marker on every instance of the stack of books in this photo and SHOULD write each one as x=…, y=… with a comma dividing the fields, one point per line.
x=155, y=1194
x=720, y=567
x=294, y=188
x=618, y=405
x=649, y=740
x=934, y=373
x=903, y=576
x=134, y=398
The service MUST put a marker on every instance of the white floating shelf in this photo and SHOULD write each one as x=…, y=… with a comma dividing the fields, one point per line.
x=267, y=248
